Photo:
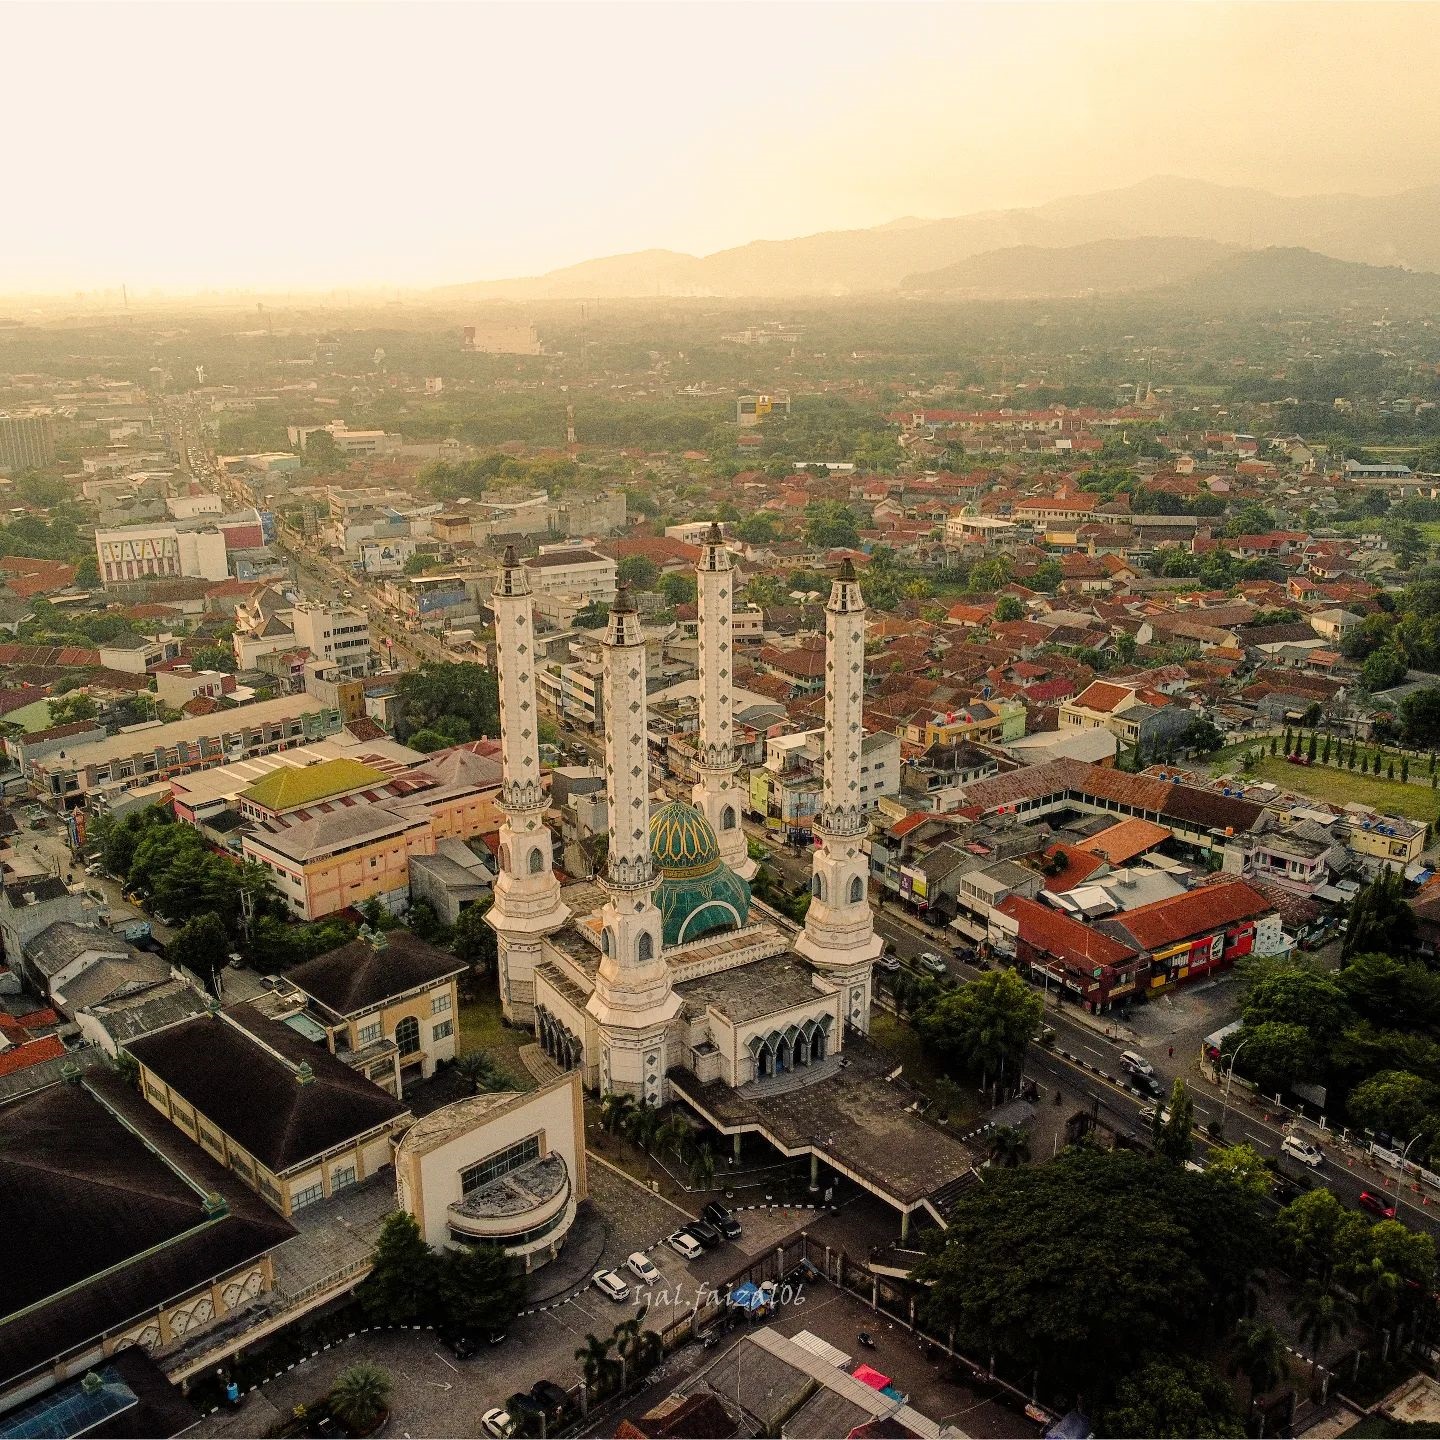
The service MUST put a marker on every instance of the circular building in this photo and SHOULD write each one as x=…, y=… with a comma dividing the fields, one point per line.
x=698, y=893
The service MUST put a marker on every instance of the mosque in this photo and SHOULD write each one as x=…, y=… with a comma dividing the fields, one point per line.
x=666, y=979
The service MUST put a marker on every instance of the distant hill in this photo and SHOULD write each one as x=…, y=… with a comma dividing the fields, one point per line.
x=1401, y=229
x=1099, y=267
x=1294, y=279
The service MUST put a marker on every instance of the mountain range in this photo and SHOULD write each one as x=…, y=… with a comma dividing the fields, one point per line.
x=1400, y=230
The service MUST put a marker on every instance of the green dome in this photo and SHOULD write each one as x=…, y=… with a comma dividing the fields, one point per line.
x=697, y=892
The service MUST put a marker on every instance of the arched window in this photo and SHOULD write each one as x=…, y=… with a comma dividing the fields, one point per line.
x=607, y=941
x=817, y=887
x=407, y=1035
x=646, y=948
x=727, y=818
x=857, y=890
x=537, y=861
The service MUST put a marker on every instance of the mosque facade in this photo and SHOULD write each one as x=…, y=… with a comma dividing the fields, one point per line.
x=666, y=973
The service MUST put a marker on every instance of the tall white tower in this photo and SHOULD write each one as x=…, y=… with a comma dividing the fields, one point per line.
x=632, y=999
x=839, y=936
x=715, y=794
x=527, y=904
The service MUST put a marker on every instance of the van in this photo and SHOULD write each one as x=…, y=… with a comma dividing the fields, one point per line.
x=1136, y=1064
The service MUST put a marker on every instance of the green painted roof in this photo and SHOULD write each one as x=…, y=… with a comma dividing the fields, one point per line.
x=697, y=892
x=286, y=788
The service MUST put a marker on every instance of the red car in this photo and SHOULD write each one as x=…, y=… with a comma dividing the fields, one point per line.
x=1377, y=1205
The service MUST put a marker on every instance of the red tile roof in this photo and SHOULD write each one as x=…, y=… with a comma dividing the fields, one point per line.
x=1197, y=912
x=1059, y=935
x=21, y=1057
x=1077, y=866
x=1125, y=840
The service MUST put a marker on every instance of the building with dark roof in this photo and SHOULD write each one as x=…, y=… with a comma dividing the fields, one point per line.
x=386, y=990
x=266, y=1100
x=119, y=1231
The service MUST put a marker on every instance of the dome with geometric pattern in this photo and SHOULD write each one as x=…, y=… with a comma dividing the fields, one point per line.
x=697, y=893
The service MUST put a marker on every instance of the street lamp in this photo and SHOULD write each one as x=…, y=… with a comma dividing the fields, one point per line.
x=1229, y=1076
x=1400, y=1178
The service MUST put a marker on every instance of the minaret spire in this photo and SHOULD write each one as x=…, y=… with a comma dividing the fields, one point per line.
x=632, y=999
x=527, y=903
x=839, y=936
x=714, y=794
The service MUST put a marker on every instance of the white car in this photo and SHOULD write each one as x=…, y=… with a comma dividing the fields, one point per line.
x=1301, y=1150
x=932, y=962
x=497, y=1423
x=610, y=1285
x=640, y=1267
x=684, y=1244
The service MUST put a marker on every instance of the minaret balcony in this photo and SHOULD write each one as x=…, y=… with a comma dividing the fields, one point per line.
x=630, y=874
x=522, y=795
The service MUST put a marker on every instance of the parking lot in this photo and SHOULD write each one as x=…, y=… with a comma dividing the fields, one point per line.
x=435, y=1394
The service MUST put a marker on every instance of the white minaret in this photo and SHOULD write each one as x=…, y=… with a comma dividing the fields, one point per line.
x=527, y=903
x=715, y=795
x=839, y=936
x=632, y=999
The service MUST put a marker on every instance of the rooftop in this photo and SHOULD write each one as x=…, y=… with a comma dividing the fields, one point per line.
x=298, y=1100
x=288, y=789
x=364, y=974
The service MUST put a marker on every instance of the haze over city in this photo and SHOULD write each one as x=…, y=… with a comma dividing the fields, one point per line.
x=720, y=721
x=406, y=145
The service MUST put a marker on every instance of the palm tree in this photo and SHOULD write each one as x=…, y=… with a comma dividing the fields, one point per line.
x=615, y=1111
x=596, y=1361
x=1008, y=1145
x=702, y=1168
x=642, y=1125
x=359, y=1397
x=1324, y=1316
x=1259, y=1355
x=626, y=1340
x=676, y=1136
x=481, y=1073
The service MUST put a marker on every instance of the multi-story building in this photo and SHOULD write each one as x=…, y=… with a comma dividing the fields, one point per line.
x=387, y=1003
x=1134, y=715
x=27, y=442
x=270, y=622
x=272, y=1105
x=752, y=409
x=332, y=840
x=180, y=685
x=94, y=773
x=142, y=552
x=577, y=573
x=985, y=531
x=784, y=792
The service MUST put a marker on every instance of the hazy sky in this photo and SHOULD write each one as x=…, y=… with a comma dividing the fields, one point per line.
x=332, y=144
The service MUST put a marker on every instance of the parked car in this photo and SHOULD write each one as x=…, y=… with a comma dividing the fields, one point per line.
x=684, y=1244
x=706, y=1234
x=641, y=1267
x=932, y=962
x=887, y=962
x=1376, y=1204
x=497, y=1424
x=458, y=1343
x=554, y=1399
x=722, y=1220
x=1301, y=1150
x=610, y=1285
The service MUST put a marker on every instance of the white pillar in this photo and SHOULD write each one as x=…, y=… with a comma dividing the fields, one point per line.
x=527, y=904
x=715, y=794
x=632, y=999
x=839, y=936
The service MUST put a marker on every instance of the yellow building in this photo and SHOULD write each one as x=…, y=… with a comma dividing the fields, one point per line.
x=386, y=1002
x=303, y=1125
x=332, y=837
x=1386, y=838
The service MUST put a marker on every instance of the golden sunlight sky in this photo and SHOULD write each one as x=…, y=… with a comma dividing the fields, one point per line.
x=320, y=145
